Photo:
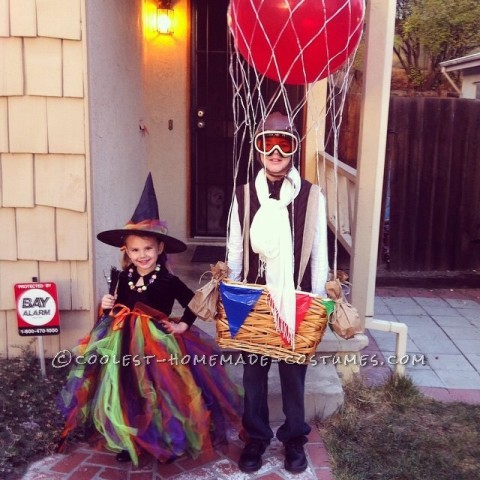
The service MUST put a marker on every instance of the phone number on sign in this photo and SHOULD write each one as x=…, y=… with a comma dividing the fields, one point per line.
x=38, y=331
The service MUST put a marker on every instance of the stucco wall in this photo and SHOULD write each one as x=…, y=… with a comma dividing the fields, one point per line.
x=118, y=164
x=167, y=94
x=43, y=163
x=136, y=77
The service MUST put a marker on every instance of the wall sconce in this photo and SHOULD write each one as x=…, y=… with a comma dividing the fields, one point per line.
x=165, y=17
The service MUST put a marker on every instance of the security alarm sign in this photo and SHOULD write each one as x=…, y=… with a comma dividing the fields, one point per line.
x=37, y=311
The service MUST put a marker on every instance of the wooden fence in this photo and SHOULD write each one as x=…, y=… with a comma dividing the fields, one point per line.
x=431, y=197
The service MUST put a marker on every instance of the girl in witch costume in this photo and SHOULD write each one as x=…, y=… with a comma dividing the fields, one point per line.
x=149, y=383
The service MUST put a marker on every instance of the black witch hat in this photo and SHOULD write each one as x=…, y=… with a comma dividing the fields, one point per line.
x=145, y=221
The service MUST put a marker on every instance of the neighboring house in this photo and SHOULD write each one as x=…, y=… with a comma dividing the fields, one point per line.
x=469, y=68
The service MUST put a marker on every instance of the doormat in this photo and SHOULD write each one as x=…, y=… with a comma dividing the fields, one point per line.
x=208, y=254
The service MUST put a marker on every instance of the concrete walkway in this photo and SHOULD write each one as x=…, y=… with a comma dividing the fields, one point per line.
x=443, y=359
x=443, y=344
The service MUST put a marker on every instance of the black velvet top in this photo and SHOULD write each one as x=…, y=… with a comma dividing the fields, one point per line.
x=160, y=294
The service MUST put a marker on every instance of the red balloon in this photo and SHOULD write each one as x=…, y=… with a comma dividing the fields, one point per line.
x=296, y=41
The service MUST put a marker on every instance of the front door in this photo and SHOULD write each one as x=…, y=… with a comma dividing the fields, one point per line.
x=212, y=120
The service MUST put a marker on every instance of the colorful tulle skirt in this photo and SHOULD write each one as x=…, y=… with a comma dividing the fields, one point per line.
x=145, y=390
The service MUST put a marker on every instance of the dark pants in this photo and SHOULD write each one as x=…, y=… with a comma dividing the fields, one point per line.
x=255, y=382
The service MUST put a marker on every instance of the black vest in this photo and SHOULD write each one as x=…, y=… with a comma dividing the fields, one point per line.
x=297, y=219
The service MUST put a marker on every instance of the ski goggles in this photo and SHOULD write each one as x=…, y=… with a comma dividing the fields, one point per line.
x=268, y=141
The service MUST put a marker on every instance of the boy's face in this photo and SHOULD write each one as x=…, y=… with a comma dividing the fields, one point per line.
x=143, y=252
x=275, y=165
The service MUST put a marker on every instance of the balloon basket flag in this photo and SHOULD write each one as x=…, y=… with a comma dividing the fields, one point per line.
x=244, y=321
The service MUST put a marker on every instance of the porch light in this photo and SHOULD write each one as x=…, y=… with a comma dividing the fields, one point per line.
x=165, y=17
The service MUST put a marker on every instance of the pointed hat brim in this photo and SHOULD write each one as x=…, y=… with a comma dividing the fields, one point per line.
x=116, y=238
x=144, y=222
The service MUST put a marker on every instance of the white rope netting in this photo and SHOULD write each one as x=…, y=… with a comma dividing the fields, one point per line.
x=280, y=52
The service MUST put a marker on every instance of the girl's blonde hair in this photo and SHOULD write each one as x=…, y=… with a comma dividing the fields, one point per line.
x=125, y=260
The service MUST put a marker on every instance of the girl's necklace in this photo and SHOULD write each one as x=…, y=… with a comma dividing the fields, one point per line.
x=141, y=288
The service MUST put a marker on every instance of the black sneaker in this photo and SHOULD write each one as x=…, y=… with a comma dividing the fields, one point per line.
x=251, y=457
x=295, y=458
x=123, y=456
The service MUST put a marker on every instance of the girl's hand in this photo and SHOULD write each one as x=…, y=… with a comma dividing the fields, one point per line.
x=108, y=301
x=173, y=327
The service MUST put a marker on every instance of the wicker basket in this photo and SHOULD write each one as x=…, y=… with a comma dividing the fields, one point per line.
x=258, y=334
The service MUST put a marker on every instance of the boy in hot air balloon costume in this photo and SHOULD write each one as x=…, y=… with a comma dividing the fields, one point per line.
x=276, y=202
x=134, y=375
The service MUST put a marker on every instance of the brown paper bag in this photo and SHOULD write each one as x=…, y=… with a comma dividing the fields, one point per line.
x=204, y=302
x=345, y=320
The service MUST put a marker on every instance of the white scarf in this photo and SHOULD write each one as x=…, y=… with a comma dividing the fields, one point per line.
x=271, y=238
